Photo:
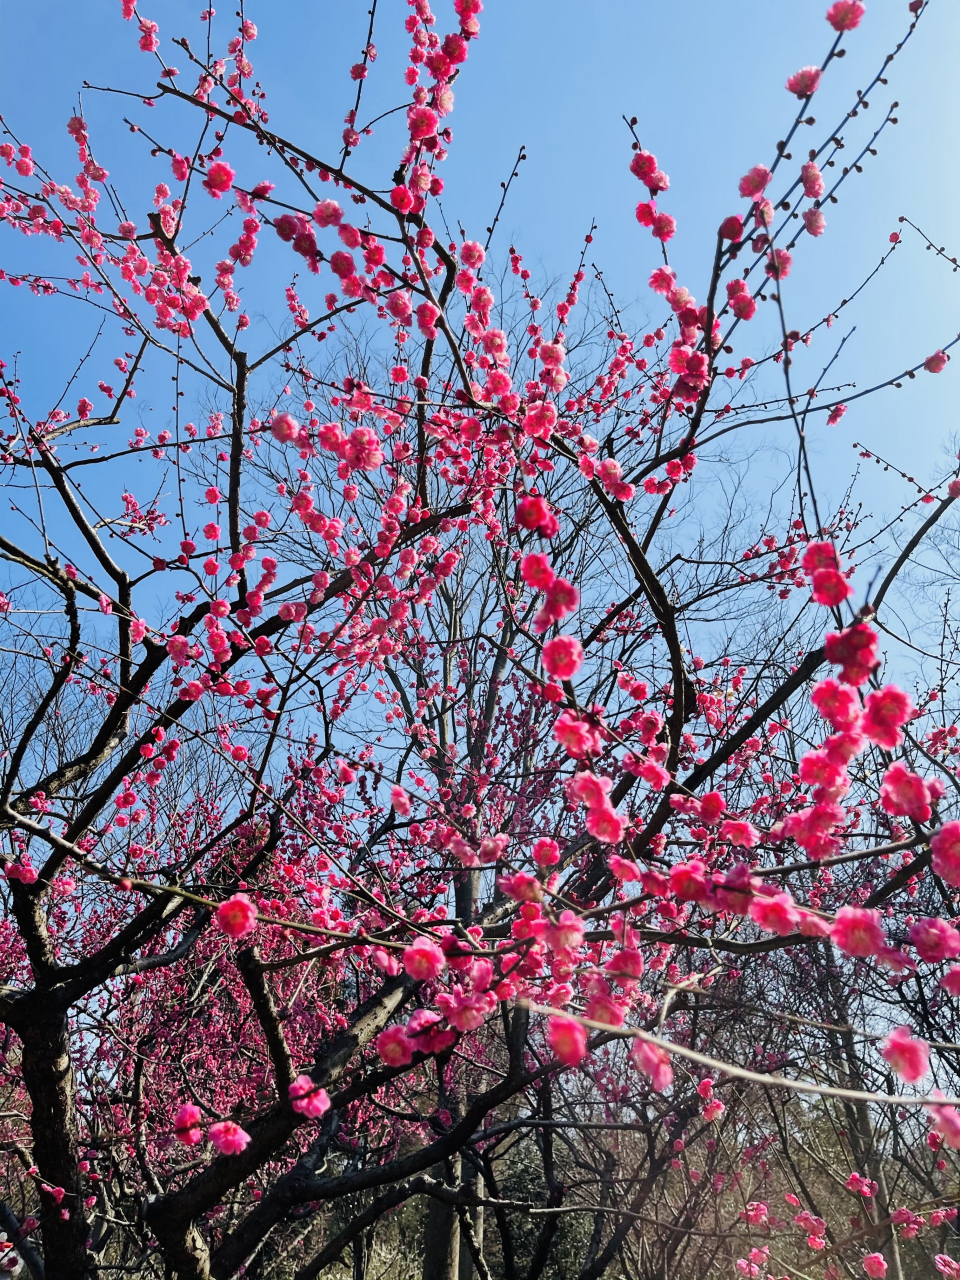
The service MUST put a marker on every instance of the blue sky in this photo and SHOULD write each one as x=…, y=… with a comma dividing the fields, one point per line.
x=706, y=82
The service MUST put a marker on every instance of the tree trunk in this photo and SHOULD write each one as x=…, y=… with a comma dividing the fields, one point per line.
x=50, y=1082
x=360, y=1257
x=467, y=1270
x=441, y=1245
x=446, y=1252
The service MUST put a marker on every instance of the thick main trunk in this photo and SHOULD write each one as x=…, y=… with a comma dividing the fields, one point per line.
x=172, y=1217
x=50, y=1082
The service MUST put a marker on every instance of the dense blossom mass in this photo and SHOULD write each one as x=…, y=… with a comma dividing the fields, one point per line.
x=423, y=778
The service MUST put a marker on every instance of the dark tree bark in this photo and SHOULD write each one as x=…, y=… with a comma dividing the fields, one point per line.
x=441, y=1237
x=49, y=1079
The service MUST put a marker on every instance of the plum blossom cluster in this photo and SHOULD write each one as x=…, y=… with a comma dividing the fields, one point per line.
x=392, y=695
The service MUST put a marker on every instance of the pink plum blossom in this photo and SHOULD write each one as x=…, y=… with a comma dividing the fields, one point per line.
x=935, y=940
x=804, y=82
x=945, y=847
x=400, y=801
x=885, y=710
x=754, y=182
x=776, y=914
x=219, y=179
x=284, y=428
x=937, y=362
x=568, y=1040
x=909, y=1057
x=186, y=1124
x=307, y=1098
x=654, y=1062
x=814, y=221
x=228, y=1138
x=857, y=931
x=237, y=916
x=328, y=214
x=563, y=656
x=546, y=852
x=812, y=180
x=742, y=834
x=423, y=960
x=845, y=15
x=905, y=794
x=837, y=703
x=395, y=1047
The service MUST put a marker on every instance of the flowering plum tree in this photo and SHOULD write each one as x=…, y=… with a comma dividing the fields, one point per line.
x=422, y=783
